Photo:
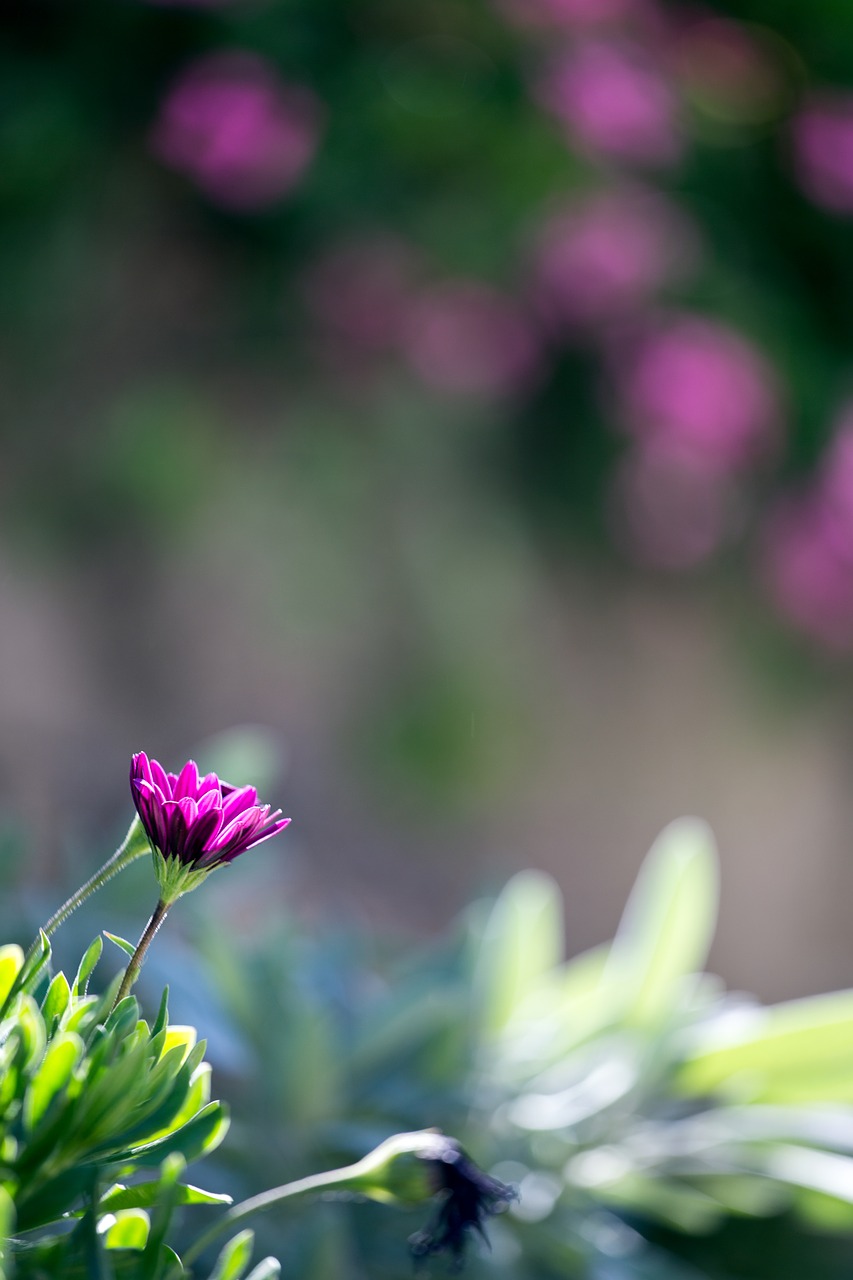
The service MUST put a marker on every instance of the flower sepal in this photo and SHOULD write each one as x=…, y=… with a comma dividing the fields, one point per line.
x=175, y=877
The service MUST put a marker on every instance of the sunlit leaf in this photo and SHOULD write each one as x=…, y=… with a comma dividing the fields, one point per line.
x=667, y=926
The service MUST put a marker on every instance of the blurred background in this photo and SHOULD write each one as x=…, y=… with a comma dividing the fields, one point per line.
x=462, y=393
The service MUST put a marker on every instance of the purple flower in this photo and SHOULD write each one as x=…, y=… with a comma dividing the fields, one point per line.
x=807, y=555
x=233, y=126
x=822, y=137
x=599, y=259
x=614, y=102
x=808, y=576
x=198, y=823
x=699, y=391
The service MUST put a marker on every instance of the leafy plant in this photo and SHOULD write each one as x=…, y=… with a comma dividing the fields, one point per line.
x=647, y=1116
x=100, y=1112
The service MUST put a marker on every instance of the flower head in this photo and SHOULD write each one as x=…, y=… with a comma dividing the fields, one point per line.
x=614, y=103
x=603, y=256
x=822, y=139
x=195, y=824
x=468, y=1197
x=242, y=134
x=699, y=391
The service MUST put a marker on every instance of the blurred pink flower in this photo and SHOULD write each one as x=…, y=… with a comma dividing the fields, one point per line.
x=607, y=255
x=233, y=126
x=836, y=485
x=822, y=140
x=697, y=390
x=807, y=574
x=359, y=291
x=465, y=337
x=669, y=513
x=807, y=554
x=614, y=102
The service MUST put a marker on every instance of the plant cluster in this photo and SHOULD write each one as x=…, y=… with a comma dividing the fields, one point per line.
x=100, y=1111
x=654, y=1124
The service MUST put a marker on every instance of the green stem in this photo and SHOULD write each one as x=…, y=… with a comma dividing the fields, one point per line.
x=369, y=1176
x=157, y=918
x=134, y=845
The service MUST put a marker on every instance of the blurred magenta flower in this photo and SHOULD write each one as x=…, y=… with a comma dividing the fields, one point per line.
x=199, y=823
x=670, y=513
x=607, y=255
x=465, y=337
x=696, y=390
x=807, y=575
x=807, y=554
x=822, y=141
x=240, y=132
x=359, y=291
x=614, y=102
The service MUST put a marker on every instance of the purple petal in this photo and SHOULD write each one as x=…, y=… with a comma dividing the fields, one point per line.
x=148, y=807
x=209, y=800
x=206, y=829
x=177, y=832
x=268, y=832
x=237, y=832
x=139, y=767
x=187, y=783
x=189, y=809
x=160, y=779
x=238, y=801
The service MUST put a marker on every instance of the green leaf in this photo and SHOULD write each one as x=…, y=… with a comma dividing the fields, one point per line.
x=235, y=1257
x=161, y=1022
x=201, y=1134
x=122, y=943
x=53, y=1075
x=170, y=1173
x=267, y=1269
x=87, y=964
x=129, y=1231
x=145, y=1194
x=11, y=963
x=57, y=999
x=522, y=941
x=29, y=975
x=798, y=1051
x=822, y=1171
x=7, y=1225
x=668, y=924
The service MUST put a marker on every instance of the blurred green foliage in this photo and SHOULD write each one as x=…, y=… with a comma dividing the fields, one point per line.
x=656, y=1125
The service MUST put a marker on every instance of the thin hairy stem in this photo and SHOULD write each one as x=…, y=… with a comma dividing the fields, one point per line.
x=157, y=918
x=134, y=845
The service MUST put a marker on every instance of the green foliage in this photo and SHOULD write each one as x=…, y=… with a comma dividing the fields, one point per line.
x=644, y=1112
x=91, y=1096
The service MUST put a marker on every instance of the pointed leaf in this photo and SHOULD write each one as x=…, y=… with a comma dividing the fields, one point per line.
x=235, y=1257
x=667, y=926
